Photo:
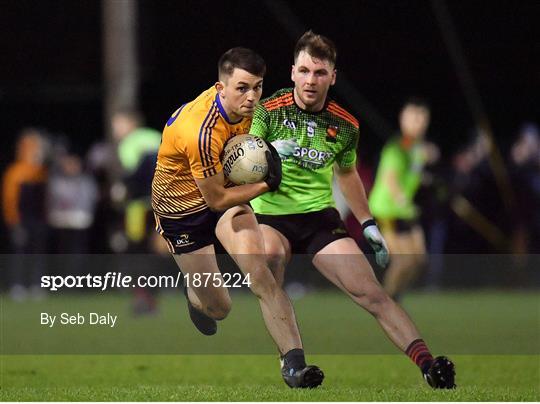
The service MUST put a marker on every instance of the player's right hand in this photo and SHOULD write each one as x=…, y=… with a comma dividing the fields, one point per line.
x=285, y=148
x=273, y=178
x=375, y=239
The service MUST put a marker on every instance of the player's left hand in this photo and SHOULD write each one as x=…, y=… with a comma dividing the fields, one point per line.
x=376, y=241
x=273, y=178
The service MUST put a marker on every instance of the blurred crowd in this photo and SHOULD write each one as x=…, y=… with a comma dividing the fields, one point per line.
x=477, y=200
x=57, y=202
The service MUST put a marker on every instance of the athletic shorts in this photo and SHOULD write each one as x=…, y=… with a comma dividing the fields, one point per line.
x=189, y=233
x=310, y=232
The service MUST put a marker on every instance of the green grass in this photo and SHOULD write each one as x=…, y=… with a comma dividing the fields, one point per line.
x=256, y=378
x=493, y=337
x=479, y=322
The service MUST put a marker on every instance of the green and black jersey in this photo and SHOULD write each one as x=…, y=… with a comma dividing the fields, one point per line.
x=324, y=138
x=406, y=162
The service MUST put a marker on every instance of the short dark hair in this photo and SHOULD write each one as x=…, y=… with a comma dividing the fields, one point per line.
x=241, y=58
x=417, y=102
x=317, y=46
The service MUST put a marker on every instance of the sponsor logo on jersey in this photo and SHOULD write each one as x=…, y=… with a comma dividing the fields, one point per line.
x=331, y=133
x=311, y=158
x=289, y=124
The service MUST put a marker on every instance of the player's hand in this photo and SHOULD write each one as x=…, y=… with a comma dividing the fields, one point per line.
x=285, y=148
x=273, y=178
x=375, y=239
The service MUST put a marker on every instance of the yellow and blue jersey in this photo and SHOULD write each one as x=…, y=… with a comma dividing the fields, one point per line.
x=191, y=145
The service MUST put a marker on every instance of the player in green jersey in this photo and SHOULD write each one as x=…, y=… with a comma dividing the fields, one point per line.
x=392, y=198
x=317, y=139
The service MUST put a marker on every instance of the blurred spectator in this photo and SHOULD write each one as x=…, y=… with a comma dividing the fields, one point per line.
x=525, y=170
x=137, y=154
x=100, y=160
x=23, y=201
x=476, y=224
x=124, y=170
x=135, y=142
x=391, y=201
x=137, y=148
x=433, y=198
x=71, y=201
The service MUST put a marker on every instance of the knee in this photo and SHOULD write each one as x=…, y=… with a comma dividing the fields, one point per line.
x=262, y=282
x=276, y=261
x=220, y=308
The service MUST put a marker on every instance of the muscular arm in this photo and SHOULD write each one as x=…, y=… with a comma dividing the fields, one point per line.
x=219, y=198
x=353, y=190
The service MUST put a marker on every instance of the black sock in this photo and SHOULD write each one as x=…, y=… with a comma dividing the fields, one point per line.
x=294, y=359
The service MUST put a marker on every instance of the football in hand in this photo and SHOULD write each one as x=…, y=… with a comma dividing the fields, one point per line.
x=244, y=159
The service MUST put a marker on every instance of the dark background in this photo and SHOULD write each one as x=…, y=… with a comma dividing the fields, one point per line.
x=51, y=70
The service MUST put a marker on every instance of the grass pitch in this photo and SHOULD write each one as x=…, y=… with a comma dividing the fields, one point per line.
x=490, y=367
x=256, y=378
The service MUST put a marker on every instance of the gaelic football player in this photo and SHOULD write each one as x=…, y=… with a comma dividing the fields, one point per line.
x=392, y=198
x=188, y=191
x=317, y=140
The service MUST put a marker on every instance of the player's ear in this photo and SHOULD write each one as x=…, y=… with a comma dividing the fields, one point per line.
x=292, y=73
x=220, y=88
x=334, y=74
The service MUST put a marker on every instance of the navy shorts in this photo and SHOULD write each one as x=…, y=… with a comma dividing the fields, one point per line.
x=189, y=233
x=310, y=232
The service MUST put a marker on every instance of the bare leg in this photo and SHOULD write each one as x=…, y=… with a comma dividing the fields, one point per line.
x=239, y=233
x=278, y=251
x=344, y=265
x=215, y=302
x=408, y=255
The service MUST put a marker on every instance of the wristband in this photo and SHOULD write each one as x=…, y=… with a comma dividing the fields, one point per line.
x=367, y=223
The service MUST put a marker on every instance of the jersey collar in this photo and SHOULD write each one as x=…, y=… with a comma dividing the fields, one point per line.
x=223, y=113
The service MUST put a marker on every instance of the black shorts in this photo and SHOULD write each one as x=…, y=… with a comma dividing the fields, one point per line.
x=310, y=232
x=189, y=233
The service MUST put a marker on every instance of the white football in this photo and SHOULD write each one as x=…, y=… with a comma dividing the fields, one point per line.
x=244, y=161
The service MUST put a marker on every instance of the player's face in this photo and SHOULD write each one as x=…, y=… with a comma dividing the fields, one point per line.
x=414, y=121
x=312, y=78
x=240, y=93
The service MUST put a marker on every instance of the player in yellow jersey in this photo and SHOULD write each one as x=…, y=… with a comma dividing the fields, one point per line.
x=194, y=208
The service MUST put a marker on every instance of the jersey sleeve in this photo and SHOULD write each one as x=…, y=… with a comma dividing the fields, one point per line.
x=347, y=157
x=203, y=149
x=260, y=125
